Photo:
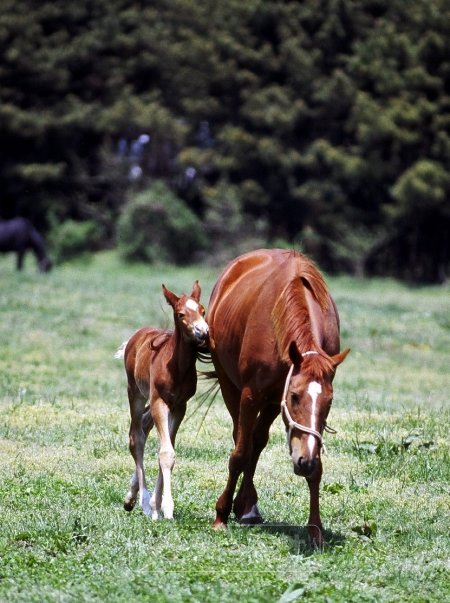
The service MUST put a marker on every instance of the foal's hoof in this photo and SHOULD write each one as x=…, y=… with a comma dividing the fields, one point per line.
x=128, y=505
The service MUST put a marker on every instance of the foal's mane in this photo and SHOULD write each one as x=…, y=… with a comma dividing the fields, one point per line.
x=290, y=314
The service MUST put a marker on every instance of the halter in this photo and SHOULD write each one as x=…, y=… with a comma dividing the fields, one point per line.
x=293, y=424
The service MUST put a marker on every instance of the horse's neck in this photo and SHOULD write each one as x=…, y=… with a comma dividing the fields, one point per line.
x=183, y=354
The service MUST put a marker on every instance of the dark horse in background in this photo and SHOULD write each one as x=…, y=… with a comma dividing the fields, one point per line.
x=274, y=341
x=19, y=235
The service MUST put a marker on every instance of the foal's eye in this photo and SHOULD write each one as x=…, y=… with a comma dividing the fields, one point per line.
x=180, y=315
x=295, y=398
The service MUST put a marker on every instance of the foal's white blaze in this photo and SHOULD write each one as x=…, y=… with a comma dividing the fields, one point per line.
x=314, y=389
x=192, y=305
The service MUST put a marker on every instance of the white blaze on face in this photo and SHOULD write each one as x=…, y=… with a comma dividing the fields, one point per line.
x=314, y=389
x=192, y=305
x=200, y=325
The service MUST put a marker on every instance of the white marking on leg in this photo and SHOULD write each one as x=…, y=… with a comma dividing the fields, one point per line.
x=145, y=502
x=314, y=389
x=155, y=501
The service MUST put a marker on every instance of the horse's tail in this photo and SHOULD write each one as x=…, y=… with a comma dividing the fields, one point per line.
x=120, y=353
x=209, y=393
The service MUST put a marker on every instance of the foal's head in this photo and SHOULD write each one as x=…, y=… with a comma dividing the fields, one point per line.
x=189, y=314
x=307, y=402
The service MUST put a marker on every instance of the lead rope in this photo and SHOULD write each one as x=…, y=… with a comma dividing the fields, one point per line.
x=290, y=420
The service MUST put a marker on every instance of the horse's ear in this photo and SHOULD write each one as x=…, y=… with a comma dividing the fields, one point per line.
x=294, y=354
x=171, y=298
x=338, y=358
x=196, y=291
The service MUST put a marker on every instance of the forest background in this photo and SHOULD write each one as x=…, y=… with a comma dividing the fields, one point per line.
x=191, y=131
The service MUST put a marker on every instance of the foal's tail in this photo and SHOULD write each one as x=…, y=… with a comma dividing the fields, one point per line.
x=120, y=354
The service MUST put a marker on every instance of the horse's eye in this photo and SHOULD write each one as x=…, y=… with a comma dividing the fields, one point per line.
x=180, y=315
x=295, y=398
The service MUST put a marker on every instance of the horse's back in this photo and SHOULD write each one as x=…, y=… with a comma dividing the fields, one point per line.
x=140, y=349
x=240, y=283
x=244, y=301
x=260, y=276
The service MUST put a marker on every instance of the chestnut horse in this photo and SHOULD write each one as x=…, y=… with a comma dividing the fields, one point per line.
x=274, y=341
x=160, y=367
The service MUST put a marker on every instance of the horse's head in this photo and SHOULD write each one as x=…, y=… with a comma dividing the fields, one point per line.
x=189, y=314
x=306, y=404
x=45, y=265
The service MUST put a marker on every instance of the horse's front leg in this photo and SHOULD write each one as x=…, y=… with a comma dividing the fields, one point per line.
x=167, y=423
x=244, y=506
x=239, y=458
x=20, y=258
x=314, y=527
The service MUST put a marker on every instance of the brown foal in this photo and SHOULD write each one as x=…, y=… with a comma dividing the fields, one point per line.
x=160, y=367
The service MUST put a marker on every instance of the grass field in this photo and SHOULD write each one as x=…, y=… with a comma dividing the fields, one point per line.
x=65, y=465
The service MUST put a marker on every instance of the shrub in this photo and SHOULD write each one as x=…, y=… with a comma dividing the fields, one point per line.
x=71, y=239
x=157, y=226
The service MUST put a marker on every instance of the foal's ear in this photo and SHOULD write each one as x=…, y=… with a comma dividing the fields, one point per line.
x=196, y=291
x=294, y=354
x=171, y=298
x=338, y=358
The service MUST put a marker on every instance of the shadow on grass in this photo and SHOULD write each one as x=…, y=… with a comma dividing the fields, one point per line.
x=298, y=536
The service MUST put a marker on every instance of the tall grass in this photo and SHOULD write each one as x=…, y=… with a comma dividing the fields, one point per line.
x=65, y=466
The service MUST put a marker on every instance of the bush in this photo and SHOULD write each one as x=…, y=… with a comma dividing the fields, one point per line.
x=157, y=226
x=231, y=230
x=71, y=239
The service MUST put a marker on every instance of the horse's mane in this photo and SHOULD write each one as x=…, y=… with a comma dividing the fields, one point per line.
x=290, y=314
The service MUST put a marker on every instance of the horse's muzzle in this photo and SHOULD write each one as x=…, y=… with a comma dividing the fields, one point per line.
x=201, y=333
x=306, y=467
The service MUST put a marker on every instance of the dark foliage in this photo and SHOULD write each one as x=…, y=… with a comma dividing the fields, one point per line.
x=329, y=120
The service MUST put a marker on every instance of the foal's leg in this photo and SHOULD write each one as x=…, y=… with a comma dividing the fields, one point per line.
x=130, y=499
x=245, y=507
x=137, y=438
x=239, y=457
x=167, y=423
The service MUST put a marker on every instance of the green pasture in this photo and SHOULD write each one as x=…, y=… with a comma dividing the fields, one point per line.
x=65, y=465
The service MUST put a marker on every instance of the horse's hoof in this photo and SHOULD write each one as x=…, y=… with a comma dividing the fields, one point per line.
x=315, y=537
x=252, y=518
x=128, y=505
x=251, y=521
x=218, y=524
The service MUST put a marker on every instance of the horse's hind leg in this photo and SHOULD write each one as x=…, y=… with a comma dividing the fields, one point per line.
x=130, y=499
x=239, y=457
x=137, y=439
x=244, y=506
